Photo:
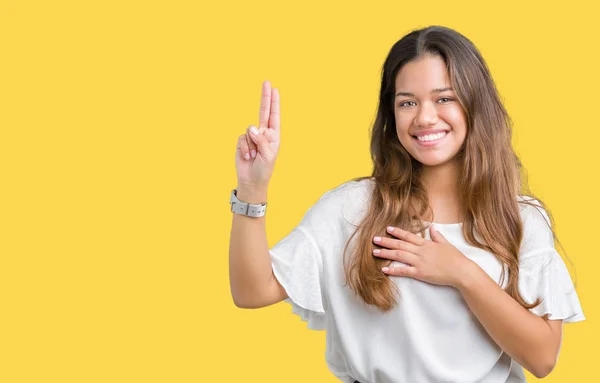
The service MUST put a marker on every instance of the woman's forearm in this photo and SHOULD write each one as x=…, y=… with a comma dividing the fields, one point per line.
x=249, y=262
x=524, y=336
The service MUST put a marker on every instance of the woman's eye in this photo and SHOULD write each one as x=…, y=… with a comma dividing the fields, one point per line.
x=442, y=100
x=406, y=102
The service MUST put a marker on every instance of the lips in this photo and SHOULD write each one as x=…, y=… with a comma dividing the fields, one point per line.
x=434, y=142
x=428, y=132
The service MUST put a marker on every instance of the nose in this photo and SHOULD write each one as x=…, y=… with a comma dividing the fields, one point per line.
x=426, y=115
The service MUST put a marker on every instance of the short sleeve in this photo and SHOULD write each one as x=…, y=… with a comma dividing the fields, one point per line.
x=542, y=271
x=297, y=259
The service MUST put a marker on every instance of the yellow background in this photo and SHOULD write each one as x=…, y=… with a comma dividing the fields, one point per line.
x=119, y=122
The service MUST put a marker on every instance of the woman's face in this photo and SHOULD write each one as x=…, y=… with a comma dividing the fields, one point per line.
x=430, y=122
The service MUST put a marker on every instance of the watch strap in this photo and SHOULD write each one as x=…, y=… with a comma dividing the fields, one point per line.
x=247, y=209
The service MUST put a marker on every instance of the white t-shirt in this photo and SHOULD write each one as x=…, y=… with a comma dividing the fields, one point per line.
x=431, y=335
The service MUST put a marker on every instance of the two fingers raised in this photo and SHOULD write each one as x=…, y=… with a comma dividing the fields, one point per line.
x=269, y=113
x=251, y=144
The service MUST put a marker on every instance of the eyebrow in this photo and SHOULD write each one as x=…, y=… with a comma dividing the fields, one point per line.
x=437, y=90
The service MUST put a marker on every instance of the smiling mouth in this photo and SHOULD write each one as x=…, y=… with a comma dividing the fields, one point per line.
x=431, y=137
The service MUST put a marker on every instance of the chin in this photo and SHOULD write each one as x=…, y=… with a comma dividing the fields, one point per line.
x=433, y=161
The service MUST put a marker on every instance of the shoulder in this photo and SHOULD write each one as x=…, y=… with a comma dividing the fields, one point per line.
x=348, y=192
x=356, y=187
x=530, y=206
x=345, y=201
x=357, y=197
x=537, y=226
x=532, y=212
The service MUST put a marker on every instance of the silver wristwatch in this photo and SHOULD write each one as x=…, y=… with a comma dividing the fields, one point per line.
x=244, y=208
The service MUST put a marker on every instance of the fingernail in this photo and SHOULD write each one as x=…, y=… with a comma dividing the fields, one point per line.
x=246, y=156
x=253, y=130
x=390, y=228
x=385, y=269
x=253, y=153
x=377, y=239
x=376, y=251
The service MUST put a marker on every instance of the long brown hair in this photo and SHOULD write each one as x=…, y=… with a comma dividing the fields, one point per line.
x=490, y=180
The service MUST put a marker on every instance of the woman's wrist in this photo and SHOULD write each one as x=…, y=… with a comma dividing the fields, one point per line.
x=470, y=274
x=251, y=194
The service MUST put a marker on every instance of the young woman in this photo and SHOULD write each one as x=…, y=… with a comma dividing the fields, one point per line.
x=441, y=266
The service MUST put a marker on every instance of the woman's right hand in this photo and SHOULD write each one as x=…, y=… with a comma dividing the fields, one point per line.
x=256, y=153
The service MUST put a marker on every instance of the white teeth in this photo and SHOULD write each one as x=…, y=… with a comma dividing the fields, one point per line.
x=431, y=137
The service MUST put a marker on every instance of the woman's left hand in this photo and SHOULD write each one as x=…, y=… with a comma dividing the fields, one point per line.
x=436, y=261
